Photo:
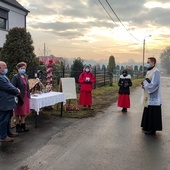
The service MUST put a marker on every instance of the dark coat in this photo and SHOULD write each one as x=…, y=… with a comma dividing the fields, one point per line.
x=7, y=93
x=124, y=84
x=17, y=82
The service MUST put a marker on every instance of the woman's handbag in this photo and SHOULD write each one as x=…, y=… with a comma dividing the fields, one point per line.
x=19, y=100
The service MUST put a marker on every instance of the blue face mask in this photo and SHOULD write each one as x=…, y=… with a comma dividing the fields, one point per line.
x=22, y=71
x=148, y=65
x=5, y=71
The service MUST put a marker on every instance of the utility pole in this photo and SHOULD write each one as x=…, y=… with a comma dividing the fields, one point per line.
x=143, y=57
x=144, y=54
x=44, y=50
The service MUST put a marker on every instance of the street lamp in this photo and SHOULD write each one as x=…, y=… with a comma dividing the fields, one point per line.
x=144, y=54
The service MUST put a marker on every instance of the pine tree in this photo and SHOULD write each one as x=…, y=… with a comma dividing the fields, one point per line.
x=111, y=68
x=18, y=47
x=165, y=59
x=77, y=68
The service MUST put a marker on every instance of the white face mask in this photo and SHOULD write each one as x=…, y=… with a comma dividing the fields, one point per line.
x=87, y=69
x=148, y=65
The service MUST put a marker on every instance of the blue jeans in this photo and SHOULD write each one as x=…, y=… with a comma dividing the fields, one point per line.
x=5, y=123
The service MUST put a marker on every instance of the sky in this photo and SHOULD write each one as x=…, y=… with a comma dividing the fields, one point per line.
x=83, y=28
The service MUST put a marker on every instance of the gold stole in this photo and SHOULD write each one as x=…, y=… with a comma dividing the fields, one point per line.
x=146, y=94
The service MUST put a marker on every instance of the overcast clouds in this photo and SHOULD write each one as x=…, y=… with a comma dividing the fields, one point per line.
x=81, y=28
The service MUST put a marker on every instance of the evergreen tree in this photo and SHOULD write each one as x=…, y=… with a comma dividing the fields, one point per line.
x=165, y=59
x=18, y=47
x=111, y=65
x=111, y=68
x=77, y=68
x=136, y=68
x=140, y=68
x=121, y=69
x=130, y=70
x=117, y=70
x=117, y=67
x=103, y=67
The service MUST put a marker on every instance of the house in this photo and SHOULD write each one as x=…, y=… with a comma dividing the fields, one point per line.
x=45, y=59
x=12, y=14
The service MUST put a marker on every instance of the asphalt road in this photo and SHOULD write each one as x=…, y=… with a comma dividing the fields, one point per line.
x=110, y=141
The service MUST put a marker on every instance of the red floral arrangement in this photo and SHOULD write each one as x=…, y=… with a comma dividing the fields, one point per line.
x=72, y=108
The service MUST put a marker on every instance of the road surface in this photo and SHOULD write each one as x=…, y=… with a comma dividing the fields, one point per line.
x=110, y=141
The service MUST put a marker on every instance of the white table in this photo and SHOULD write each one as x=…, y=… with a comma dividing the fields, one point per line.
x=39, y=101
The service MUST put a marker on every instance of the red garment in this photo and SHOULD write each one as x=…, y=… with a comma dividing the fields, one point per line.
x=123, y=101
x=25, y=108
x=86, y=80
x=85, y=98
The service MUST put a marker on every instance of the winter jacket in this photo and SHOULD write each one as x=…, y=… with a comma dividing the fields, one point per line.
x=124, y=84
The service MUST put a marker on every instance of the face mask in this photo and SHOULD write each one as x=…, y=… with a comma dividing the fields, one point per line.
x=5, y=71
x=148, y=65
x=87, y=69
x=22, y=71
x=124, y=74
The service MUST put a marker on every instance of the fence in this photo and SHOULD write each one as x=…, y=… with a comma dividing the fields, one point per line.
x=102, y=76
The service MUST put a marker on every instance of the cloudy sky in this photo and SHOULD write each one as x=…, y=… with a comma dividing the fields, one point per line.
x=83, y=28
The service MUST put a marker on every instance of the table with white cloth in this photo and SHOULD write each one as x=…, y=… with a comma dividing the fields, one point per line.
x=39, y=101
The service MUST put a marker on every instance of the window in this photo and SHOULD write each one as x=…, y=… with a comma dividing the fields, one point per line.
x=2, y=23
x=3, y=18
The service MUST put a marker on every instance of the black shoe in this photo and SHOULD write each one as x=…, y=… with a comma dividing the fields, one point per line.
x=13, y=134
x=124, y=110
x=150, y=132
x=24, y=128
x=18, y=128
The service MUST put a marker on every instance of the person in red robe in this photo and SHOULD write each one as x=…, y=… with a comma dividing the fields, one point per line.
x=86, y=80
x=124, y=91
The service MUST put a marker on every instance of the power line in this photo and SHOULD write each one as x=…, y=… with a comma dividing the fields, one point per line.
x=117, y=18
x=121, y=21
x=101, y=9
x=114, y=21
x=107, y=13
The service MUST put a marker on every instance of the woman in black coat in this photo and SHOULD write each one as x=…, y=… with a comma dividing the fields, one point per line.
x=124, y=91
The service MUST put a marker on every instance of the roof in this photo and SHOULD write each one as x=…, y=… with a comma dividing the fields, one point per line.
x=45, y=59
x=15, y=4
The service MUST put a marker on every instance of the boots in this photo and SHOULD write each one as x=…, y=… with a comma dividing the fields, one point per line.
x=18, y=128
x=24, y=128
x=124, y=110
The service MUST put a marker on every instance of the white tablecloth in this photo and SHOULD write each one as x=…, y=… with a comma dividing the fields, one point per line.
x=38, y=101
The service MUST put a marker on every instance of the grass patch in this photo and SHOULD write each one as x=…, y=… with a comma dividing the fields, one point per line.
x=103, y=97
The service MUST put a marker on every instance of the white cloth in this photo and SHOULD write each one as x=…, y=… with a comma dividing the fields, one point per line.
x=38, y=101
